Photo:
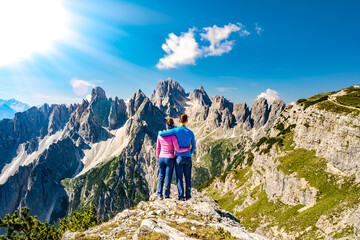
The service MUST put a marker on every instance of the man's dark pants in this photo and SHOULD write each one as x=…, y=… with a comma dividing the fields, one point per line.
x=183, y=167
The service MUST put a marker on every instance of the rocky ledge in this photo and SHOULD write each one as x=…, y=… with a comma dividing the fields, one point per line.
x=199, y=218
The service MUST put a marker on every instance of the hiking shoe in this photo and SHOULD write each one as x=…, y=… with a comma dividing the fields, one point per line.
x=181, y=199
x=188, y=198
x=167, y=197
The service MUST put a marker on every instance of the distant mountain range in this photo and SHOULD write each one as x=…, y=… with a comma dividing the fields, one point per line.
x=8, y=108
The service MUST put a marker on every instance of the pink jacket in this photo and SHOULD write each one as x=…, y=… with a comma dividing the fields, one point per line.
x=165, y=147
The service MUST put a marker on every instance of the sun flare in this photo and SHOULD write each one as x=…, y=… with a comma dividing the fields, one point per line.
x=28, y=27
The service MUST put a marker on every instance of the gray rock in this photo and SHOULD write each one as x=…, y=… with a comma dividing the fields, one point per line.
x=259, y=113
x=200, y=104
x=208, y=215
x=241, y=112
x=220, y=113
x=169, y=97
x=276, y=108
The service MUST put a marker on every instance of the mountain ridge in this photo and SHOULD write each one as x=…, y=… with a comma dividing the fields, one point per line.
x=99, y=130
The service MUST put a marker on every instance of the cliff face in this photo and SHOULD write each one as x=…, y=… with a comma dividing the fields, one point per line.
x=301, y=179
x=170, y=97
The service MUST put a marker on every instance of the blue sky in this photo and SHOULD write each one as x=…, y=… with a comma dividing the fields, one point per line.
x=299, y=49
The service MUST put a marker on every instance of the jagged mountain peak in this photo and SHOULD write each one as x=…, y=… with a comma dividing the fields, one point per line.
x=260, y=102
x=170, y=97
x=222, y=103
x=260, y=112
x=277, y=101
x=168, y=86
x=201, y=96
x=135, y=102
x=139, y=93
x=98, y=94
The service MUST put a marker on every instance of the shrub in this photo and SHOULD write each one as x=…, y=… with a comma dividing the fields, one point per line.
x=301, y=100
x=79, y=221
x=261, y=141
x=25, y=226
x=205, y=184
x=280, y=127
x=286, y=130
x=250, y=158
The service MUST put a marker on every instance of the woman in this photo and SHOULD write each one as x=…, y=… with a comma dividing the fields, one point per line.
x=165, y=153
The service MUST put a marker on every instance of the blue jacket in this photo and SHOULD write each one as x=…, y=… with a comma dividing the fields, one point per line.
x=184, y=136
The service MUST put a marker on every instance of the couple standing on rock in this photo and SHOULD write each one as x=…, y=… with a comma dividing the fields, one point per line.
x=168, y=141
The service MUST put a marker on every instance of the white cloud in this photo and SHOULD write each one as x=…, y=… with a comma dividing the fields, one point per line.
x=184, y=49
x=258, y=29
x=225, y=89
x=244, y=33
x=217, y=37
x=180, y=50
x=270, y=95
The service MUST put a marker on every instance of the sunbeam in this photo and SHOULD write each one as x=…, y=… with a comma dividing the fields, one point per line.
x=29, y=27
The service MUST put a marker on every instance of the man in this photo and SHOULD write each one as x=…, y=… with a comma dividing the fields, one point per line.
x=183, y=162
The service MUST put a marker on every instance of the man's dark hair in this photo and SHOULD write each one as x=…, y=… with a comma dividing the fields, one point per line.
x=183, y=118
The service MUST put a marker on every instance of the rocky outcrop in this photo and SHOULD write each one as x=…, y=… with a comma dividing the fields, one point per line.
x=117, y=115
x=241, y=112
x=276, y=108
x=91, y=121
x=135, y=102
x=259, y=113
x=200, y=104
x=170, y=97
x=220, y=113
x=57, y=119
x=201, y=96
x=333, y=136
x=199, y=217
x=287, y=188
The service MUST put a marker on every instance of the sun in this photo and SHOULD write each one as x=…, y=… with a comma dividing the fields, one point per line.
x=30, y=26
